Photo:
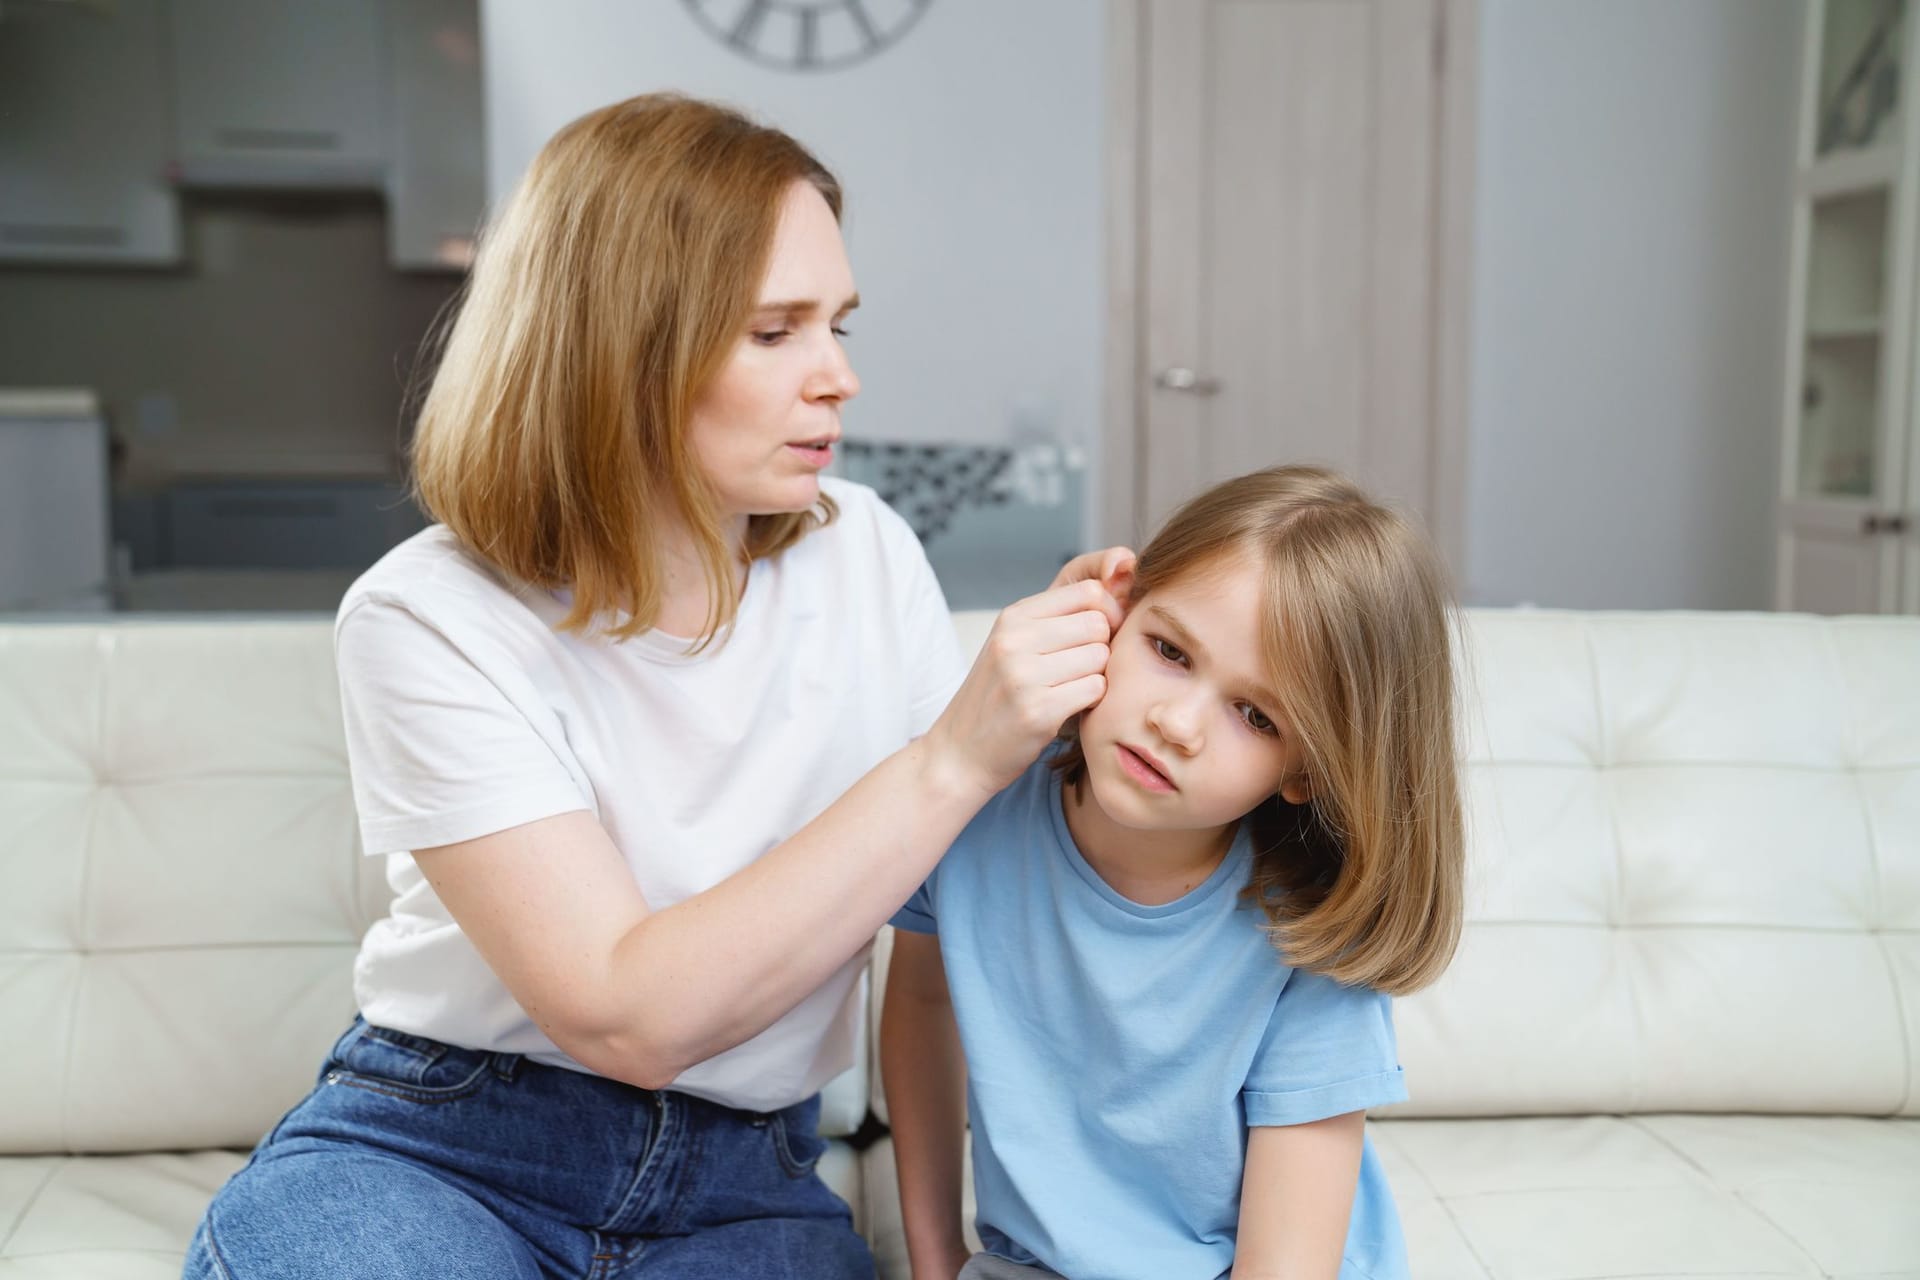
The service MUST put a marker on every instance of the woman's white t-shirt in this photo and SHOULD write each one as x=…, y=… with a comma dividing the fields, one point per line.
x=467, y=713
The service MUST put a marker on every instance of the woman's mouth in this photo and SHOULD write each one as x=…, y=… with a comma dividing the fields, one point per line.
x=815, y=453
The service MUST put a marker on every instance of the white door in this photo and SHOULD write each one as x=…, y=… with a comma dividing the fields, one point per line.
x=1288, y=243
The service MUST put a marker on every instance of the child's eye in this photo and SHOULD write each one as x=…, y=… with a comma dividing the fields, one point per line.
x=770, y=337
x=1168, y=652
x=1257, y=719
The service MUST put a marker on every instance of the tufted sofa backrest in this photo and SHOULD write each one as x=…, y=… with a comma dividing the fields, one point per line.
x=1694, y=870
x=181, y=889
x=1694, y=874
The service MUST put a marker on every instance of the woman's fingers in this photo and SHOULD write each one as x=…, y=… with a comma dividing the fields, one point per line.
x=1085, y=595
x=1068, y=665
x=1076, y=696
x=1043, y=662
x=1100, y=566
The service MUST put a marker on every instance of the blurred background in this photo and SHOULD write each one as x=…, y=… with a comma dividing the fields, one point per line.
x=1616, y=295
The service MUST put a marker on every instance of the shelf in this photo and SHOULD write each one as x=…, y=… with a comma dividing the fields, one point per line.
x=1849, y=172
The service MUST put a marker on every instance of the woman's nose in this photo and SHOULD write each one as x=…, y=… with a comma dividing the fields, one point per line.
x=833, y=378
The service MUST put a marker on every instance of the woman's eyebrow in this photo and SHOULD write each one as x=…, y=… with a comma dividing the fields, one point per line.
x=802, y=307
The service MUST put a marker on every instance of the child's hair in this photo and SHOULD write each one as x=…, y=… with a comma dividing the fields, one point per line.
x=1364, y=882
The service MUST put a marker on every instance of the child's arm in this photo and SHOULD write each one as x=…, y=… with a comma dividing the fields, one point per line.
x=1296, y=1196
x=926, y=1086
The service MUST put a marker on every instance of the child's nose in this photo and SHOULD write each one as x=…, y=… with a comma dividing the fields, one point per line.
x=1178, y=720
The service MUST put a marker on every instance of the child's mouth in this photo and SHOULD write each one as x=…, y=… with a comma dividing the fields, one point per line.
x=1137, y=768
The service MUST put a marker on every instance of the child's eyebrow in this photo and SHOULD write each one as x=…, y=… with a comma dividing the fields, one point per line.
x=802, y=306
x=1268, y=700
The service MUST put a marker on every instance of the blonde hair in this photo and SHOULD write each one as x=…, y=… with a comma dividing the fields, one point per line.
x=604, y=299
x=1364, y=882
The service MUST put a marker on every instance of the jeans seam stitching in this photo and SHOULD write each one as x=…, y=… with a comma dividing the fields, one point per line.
x=644, y=1173
x=425, y=1095
x=213, y=1249
x=783, y=1150
x=427, y=1056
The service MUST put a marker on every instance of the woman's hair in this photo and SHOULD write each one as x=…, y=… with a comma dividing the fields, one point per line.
x=604, y=299
x=1364, y=882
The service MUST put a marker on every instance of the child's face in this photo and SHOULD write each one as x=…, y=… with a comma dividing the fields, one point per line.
x=1188, y=735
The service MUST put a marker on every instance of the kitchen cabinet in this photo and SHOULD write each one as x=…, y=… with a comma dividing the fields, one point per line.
x=84, y=143
x=436, y=177
x=280, y=93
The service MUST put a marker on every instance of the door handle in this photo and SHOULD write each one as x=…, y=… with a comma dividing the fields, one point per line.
x=1181, y=378
x=1873, y=522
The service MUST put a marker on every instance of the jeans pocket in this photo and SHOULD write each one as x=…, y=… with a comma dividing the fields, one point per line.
x=797, y=1143
x=412, y=1067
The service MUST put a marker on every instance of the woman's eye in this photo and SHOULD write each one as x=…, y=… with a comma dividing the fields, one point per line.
x=1256, y=719
x=838, y=332
x=1168, y=652
x=769, y=337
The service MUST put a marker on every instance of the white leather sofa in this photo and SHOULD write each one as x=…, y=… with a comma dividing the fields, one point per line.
x=1681, y=1038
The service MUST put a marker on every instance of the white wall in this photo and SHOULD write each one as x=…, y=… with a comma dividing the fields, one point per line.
x=1629, y=270
x=1630, y=264
x=971, y=156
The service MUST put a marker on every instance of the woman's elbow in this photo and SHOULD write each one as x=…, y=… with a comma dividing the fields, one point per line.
x=639, y=1055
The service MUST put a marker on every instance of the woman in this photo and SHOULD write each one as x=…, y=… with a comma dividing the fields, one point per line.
x=657, y=727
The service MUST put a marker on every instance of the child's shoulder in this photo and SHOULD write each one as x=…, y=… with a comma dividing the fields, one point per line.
x=1017, y=817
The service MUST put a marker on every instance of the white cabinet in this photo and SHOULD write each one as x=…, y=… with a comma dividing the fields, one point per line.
x=53, y=501
x=106, y=108
x=436, y=178
x=280, y=93
x=84, y=143
x=1848, y=523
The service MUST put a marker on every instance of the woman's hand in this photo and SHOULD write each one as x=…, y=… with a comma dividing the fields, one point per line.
x=1044, y=661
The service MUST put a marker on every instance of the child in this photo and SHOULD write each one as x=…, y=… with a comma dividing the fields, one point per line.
x=1169, y=945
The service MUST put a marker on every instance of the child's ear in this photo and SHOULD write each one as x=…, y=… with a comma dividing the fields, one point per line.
x=1296, y=788
x=1116, y=574
x=1119, y=584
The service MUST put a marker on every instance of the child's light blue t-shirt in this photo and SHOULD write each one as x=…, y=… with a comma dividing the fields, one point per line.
x=1117, y=1053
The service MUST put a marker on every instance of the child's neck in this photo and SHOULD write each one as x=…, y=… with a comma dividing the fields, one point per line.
x=1151, y=868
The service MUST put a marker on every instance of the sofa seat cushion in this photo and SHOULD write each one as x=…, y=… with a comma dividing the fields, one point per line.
x=1657, y=1195
x=105, y=1217
x=1592, y=1197
x=131, y=1217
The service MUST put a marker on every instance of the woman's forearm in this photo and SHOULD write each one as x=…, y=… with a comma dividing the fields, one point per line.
x=699, y=977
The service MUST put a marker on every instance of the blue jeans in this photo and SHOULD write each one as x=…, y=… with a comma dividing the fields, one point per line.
x=415, y=1158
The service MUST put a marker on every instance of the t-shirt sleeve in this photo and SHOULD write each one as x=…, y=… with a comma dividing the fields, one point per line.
x=917, y=915
x=1329, y=1049
x=438, y=752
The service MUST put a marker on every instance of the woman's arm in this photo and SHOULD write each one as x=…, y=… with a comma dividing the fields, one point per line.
x=1296, y=1196
x=640, y=995
x=926, y=1084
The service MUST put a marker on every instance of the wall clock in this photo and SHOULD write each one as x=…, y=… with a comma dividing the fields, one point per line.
x=807, y=35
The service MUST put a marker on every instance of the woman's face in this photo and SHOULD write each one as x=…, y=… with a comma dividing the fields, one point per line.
x=767, y=425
